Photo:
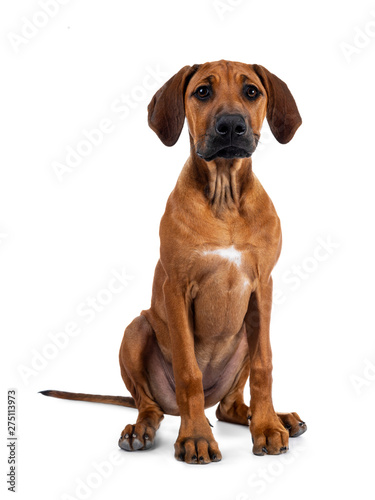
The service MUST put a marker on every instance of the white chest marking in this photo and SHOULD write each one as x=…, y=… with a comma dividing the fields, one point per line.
x=230, y=254
x=245, y=283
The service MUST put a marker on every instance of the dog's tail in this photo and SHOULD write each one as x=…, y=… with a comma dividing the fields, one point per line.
x=92, y=398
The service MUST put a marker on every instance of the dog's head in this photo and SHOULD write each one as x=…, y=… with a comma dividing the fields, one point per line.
x=225, y=104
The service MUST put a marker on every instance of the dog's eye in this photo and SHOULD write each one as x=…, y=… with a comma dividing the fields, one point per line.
x=252, y=92
x=203, y=92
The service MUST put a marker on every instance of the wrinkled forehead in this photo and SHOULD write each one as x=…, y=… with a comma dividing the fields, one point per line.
x=224, y=73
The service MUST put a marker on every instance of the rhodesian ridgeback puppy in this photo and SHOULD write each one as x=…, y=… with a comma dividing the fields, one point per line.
x=207, y=329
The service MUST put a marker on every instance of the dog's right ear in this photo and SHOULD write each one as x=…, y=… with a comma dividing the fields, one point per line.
x=166, y=111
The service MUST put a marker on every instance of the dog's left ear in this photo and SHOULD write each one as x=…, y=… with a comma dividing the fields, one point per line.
x=282, y=112
x=166, y=111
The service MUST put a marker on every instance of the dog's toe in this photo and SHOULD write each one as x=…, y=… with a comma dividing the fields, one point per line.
x=137, y=445
x=293, y=423
x=124, y=443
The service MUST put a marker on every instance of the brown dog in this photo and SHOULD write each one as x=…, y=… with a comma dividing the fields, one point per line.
x=208, y=326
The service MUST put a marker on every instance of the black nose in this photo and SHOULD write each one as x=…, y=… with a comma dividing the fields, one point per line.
x=231, y=125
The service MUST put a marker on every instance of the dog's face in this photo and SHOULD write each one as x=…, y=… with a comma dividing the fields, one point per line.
x=225, y=104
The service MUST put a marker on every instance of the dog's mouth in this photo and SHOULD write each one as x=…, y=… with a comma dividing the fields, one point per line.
x=230, y=152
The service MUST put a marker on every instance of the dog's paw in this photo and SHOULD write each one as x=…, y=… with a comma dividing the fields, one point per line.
x=137, y=437
x=269, y=436
x=293, y=423
x=197, y=447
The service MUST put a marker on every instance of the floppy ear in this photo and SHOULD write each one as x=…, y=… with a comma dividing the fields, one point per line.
x=282, y=113
x=166, y=111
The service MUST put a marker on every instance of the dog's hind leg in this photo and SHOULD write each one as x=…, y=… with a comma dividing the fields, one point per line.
x=232, y=407
x=136, y=347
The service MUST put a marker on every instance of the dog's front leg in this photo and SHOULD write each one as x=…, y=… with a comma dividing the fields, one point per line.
x=268, y=433
x=195, y=442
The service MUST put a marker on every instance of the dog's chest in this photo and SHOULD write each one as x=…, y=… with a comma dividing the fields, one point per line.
x=230, y=261
x=230, y=254
x=228, y=264
x=223, y=287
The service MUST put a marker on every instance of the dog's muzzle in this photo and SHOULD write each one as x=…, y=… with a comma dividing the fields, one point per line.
x=230, y=138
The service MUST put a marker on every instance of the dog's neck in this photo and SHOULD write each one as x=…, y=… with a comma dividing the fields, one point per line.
x=223, y=182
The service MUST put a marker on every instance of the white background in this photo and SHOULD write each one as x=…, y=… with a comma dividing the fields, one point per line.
x=60, y=241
